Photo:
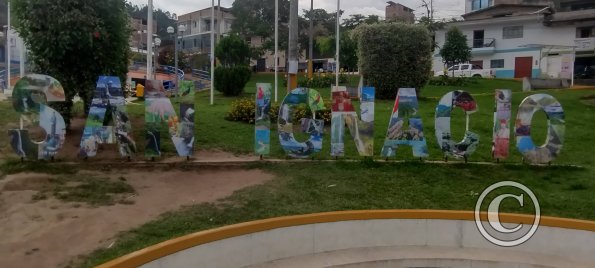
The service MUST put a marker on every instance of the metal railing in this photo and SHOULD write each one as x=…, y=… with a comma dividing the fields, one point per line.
x=483, y=42
x=201, y=74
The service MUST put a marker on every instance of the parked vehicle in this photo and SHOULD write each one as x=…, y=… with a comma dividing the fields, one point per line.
x=467, y=70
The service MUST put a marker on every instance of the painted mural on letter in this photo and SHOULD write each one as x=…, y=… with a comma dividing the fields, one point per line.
x=469, y=144
x=159, y=110
x=313, y=127
x=30, y=97
x=405, y=110
x=108, y=98
x=361, y=129
x=262, y=121
x=502, y=115
x=555, y=134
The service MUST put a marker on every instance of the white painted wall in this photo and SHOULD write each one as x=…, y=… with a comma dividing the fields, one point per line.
x=430, y=243
x=534, y=32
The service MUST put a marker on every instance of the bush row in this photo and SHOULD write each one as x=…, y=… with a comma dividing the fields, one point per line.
x=244, y=110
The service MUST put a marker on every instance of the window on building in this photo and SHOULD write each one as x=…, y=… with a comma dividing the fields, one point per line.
x=497, y=64
x=480, y=4
x=584, y=32
x=195, y=45
x=511, y=32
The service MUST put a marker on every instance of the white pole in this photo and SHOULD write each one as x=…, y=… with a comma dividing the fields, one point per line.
x=21, y=57
x=8, y=46
x=150, y=40
x=212, y=51
x=337, y=43
x=276, y=49
x=573, y=62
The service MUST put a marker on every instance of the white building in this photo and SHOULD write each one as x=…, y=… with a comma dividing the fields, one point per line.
x=197, y=37
x=531, y=42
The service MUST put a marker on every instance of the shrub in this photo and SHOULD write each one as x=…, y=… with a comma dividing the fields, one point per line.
x=233, y=73
x=322, y=80
x=231, y=80
x=243, y=110
x=394, y=55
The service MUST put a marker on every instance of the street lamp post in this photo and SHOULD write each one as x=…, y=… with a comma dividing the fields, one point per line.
x=157, y=43
x=3, y=79
x=181, y=30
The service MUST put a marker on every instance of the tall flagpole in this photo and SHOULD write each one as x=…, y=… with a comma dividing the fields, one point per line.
x=21, y=44
x=212, y=51
x=276, y=49
x=150, y=40
x=8, y=45
x=338, y=43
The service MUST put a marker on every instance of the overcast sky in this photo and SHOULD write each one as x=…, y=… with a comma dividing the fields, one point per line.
x=443, y=8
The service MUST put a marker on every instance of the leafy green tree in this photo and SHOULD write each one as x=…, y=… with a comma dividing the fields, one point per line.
x=455, y=49
x=432, y=27
x=355, y=20
x=257, y=18
x=393, y=56
x=233, y=73
x=232, y=51
x=75, y=41
x=163, y=18
x=348, y=53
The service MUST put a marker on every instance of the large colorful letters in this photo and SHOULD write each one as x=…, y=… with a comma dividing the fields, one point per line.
x=405, y=107
x=159, y=109
x=29, y=98
x=108, y=98
x=32, y=92
x=262, y=120
x=444, y=109
x=343, y=113
x=555, y=133
x=502, y=114
x=314, y=127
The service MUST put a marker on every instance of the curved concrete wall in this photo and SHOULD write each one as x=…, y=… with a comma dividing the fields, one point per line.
x=371, y=239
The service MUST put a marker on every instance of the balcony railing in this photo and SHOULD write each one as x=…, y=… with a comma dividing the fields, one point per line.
x=483, y=43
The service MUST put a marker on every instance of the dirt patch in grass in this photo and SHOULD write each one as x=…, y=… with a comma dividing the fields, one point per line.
x=588, y=100
x=51, y=232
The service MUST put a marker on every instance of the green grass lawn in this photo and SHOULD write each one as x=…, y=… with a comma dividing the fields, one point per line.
x=302, y=188
x=214, y=132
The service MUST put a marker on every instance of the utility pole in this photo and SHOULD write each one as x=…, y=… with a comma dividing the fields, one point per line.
x=276, y=50
x=150, y=38
x=218, y=20
x=293, y=46
x=311, y=48
x=212, y=52
x=337, y=44
x=8, y=46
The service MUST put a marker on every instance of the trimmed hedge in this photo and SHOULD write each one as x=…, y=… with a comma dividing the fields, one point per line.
x=231, y=80
x=393, y=56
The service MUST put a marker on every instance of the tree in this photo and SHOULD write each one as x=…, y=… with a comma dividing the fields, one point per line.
x=355, y=20
x=233, y=73
x=455, y=49
x=163, y=18
x=257, y=18
x=75, y=41
x=348, y=53
x=167, y=57
x=393, y=56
